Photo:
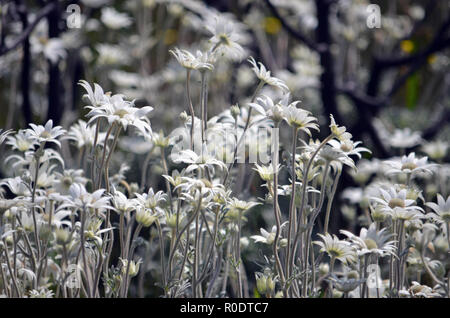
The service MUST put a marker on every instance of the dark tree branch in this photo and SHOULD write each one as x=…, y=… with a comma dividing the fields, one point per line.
x=42, y=13
x=380, y=64
x=327, y=78
x=55, y=107
x=436, y=126
x=26, y=69
x=296, y=34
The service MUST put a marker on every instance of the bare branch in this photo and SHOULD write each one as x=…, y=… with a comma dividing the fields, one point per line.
x=296, y=34
x=24, y=35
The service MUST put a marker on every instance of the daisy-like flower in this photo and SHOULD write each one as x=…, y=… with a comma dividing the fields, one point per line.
x=339, y=131
x=122, y=112
x=403, y=214
x=264, y=75
x=266, y=172
x=300, y=118
x=115, y=20
x=176, y=178
x=96, y=97
x=17, y=186
x=133, y=268
x=392, y=199
x=94, y=232
x=265, y=106
x=371, y=241
x=52, y=48
x=186, y=59
x=237, y=208
x=436, y=150
x=331, y=154
x=146, y=217
x=4, y=135
x=269, y=237
x=205, y=61
x=121, y=203
x=336, y=248
x=63, y=181
x=441, y=209
x=225, y=39
x=22, y=141
x=404, y=138
x=151, y=200
x=195, y=161
x=349, y=147
x=46, y=133
x=80, y=198
x=204, y=187
x=83, y=135
x=409, y=164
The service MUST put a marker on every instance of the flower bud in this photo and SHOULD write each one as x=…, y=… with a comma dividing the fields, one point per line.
x=45, y=232
x=235, y=111
x=144, y=217
x=324, y=268
x=133, y=269
x=62, y=236
x=184, y=117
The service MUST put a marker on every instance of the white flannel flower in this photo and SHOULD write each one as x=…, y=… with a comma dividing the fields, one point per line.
x=392, y=199
x=46, y=133
x=332, y=155
x=269, y=237
x=185, y=58
x=80, y=198
x=121, y=203
x=371, y=241
x=146, y=217
x=403, y=214
x=52, y=48
x=349, y=147
x=152, y=200
x=264, y=75
x=441, y=209
x=225, y=38
x=267, y=172
x=336, y=248
x=236, y=208
x=22, y=141
x=409, y=164
x=300, y=118
x=118, y=110
x=115, y=20
x=339, y=131
x=94, y=231
x=436, y=150
x=4, y=135
x=83, y=135
x=96, y=97
x=404, y=138
x=63, y=181
x=17, y=186
x=195, y=161
x=265, y=106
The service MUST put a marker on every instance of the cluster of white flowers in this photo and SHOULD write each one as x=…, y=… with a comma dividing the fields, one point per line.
x=89, y=211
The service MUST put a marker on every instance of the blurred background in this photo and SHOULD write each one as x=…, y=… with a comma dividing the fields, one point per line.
x=380, y=67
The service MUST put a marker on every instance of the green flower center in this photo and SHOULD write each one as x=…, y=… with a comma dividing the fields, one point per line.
x=371, y=244
x=396, y=203
x=409, y=165
x=45, y=134
x=121, y=113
